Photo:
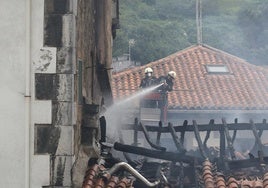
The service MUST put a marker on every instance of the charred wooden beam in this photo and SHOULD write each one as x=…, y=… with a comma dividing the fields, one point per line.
x=256, y=135
x=183, y=131
x=147, y=137
x=135, y=138
x=103, y=129
x=261, y=131
x=206, y=139
x=257, y=140
x=198, y=139
x=202, y=127
x=175, y=138
x=235, y=132
x=159, y=133
x=165, y=155
x=228, y=138
x=222, y=158
x=211, y=122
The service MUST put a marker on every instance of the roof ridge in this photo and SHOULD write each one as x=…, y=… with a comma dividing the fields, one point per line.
x=241, y=60
x=175, y=53
x=192, y=47
x=224, y=52
x=205, y=46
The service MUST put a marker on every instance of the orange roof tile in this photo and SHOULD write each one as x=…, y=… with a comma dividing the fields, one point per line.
x=96, y=177
x=213, y=178
x=245, y=87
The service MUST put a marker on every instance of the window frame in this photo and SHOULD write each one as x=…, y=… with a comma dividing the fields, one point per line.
x=226, y=71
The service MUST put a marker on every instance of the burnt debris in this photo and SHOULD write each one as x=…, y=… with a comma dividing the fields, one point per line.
x=156, y=166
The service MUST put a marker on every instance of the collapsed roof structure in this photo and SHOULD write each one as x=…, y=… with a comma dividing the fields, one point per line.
x=207, y=80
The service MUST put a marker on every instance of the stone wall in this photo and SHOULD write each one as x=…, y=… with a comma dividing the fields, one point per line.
x=54, y=84
x=72, y=73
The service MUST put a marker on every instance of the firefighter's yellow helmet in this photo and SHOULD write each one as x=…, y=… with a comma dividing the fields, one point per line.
x=172, y=74
x=148, y=70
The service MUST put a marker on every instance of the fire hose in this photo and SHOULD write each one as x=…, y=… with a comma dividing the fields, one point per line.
x=134, y=172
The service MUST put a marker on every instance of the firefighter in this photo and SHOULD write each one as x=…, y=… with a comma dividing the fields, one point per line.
x=149, y=79
x=167, y=86
x=146, y=82
x=167, y=82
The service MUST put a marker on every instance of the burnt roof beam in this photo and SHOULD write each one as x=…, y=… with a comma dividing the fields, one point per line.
x=257, y=141
x=175, y=138
x=211, y=122
x=160, y=125
x=235, y=131
x=228, y=138
x=165, y=155
x=147, y=137
x=202, y=127
x=198, y=139
x=185, y=123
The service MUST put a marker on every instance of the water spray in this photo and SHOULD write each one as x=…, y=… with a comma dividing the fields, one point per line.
x=139, y=94
x=114, y=113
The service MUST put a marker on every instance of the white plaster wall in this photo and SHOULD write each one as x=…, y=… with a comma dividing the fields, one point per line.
x=19, y=46
x=12, y=86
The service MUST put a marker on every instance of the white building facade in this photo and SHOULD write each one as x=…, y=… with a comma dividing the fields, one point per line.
x=40, y=117
x=27, y=103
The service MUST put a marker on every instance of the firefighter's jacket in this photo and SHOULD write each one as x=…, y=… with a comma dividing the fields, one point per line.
x=167, y=83
x=148, y=81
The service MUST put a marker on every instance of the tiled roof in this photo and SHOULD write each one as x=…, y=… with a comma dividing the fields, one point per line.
x=245, y=87
x=96, y=177
x=212, y=178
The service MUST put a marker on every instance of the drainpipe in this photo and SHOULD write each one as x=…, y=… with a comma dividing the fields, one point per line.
x=27, y=94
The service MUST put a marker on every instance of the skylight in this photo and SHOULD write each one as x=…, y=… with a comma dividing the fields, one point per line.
x=217, y=69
